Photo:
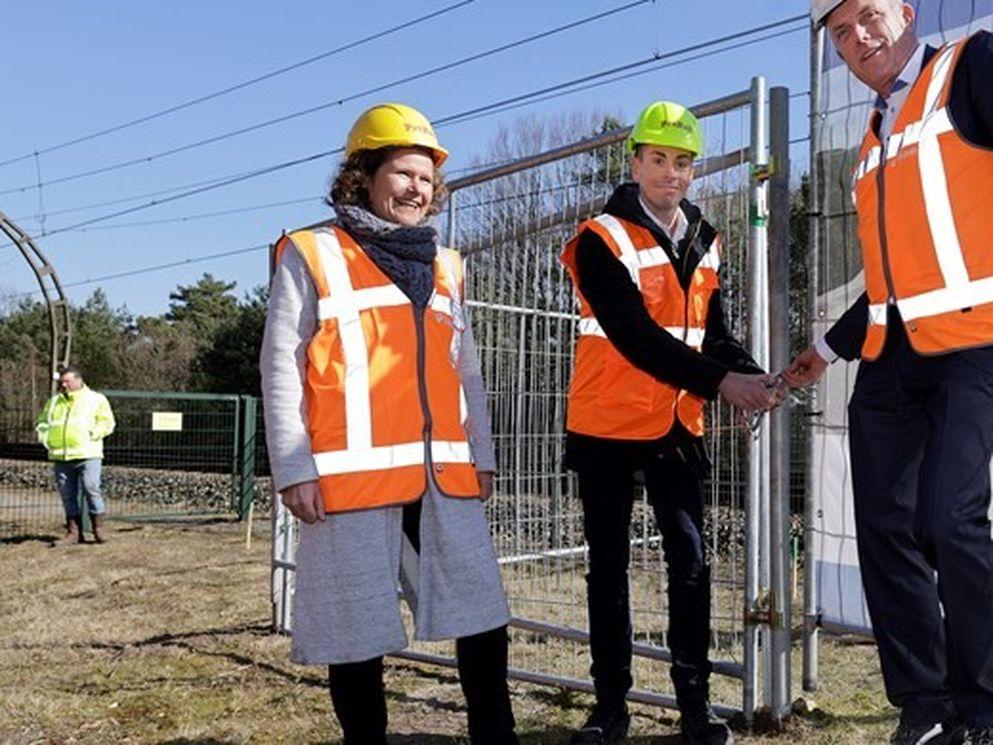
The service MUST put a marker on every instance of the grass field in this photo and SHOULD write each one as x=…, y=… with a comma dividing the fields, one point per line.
x=162, y=635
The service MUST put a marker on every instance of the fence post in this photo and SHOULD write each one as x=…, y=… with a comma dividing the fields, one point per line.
x=779, y=420
x=520, y=387
x=246, y=454
x=282, y=563
x=282, y=574
x=451, y=219
x=234, y=491
x=756, y=499
x=811, y=620
x=810, y=614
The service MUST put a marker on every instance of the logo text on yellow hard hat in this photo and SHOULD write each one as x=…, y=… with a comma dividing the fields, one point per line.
x=394, y=125
x=667, y=124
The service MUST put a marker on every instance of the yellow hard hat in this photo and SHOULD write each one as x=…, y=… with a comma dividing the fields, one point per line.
x=394, y=125
x=668, y=124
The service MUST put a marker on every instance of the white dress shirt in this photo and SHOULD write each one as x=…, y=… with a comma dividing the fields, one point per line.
x=677, y=231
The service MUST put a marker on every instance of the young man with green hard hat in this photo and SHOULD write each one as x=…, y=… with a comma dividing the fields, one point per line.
x=653, y=348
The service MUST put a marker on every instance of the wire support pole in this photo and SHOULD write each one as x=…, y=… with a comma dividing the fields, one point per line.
x=59, y=320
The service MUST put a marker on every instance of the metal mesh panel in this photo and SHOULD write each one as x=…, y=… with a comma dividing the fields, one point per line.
x=511, y=223
x=512, y=230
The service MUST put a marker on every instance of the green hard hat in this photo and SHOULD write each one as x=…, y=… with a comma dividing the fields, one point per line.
x=667, y=124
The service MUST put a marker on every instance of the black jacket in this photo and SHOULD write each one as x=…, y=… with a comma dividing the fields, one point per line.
x=618, y=306
x=970, y=106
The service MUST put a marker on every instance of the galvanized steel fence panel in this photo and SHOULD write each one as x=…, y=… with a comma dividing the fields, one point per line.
x=511, y=223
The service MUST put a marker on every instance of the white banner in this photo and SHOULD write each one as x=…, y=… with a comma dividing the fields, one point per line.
x=845, y=107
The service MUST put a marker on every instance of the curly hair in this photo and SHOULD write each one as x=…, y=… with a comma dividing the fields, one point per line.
x=349, y=185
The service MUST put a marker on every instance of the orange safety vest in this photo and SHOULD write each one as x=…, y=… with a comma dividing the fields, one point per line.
x=925, y=222
x=609, y=397
x=384, y=401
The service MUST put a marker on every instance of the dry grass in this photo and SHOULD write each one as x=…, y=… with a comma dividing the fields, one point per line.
x=162, y=636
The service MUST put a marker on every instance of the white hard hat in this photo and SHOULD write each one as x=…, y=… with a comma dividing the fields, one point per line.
x=821, y=9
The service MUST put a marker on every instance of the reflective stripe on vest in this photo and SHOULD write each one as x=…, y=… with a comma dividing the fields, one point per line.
x=609, y=397
x=358, y=474
x=693, y=337
x=934, y=208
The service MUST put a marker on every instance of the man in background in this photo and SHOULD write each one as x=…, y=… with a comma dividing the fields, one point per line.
x=72, y=427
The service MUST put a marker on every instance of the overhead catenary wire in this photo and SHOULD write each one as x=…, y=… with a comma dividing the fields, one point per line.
x=479, y=204
x=627, y=76
x=172, y=190
x=496, y=200
x=206, y=215
x=155, y=268
x=441, y=122
x=466, y=115
x=238, y=86
x=136, y=197
x=209, y=186
x=39, y=184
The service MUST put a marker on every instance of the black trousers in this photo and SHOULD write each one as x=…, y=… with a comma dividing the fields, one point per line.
x=359, y=698
x=675, y=494
x=921, y=437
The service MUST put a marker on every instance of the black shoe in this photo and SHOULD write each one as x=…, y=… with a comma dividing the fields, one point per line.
x=701, y=726
x=978, y=736
x=935, y=733
x=606, y=724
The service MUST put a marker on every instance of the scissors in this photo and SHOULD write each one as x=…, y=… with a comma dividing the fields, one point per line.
x=793, y=396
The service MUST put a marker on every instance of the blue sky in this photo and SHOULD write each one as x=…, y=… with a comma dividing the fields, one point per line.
x=71, y=69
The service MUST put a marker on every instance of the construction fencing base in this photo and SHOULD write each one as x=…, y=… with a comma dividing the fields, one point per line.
x=554, y=651
x=572, y=684
x=644, y=651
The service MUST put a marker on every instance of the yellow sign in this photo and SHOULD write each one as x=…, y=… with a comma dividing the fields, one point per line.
x=167, y=421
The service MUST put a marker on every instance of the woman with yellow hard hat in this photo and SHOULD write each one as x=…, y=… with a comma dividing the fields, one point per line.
x=378, y=434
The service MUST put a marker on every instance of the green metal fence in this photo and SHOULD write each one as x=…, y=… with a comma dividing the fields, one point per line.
x=171, y=455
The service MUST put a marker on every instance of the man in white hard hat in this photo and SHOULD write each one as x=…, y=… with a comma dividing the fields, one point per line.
x=921, y=415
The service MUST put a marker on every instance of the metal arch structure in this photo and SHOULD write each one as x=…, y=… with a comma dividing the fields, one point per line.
x=59, y=319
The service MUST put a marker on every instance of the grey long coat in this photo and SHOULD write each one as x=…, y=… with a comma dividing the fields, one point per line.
x=345, y=607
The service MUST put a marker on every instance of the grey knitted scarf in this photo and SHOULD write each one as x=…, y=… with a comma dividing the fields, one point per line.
x=405, y=254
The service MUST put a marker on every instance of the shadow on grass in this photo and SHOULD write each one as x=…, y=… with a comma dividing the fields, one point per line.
x=199, y=642
x=554, y=736
x=819, y=718
x=18, y=539
x=176, y=521
x=188, y=641
x=548, y=737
